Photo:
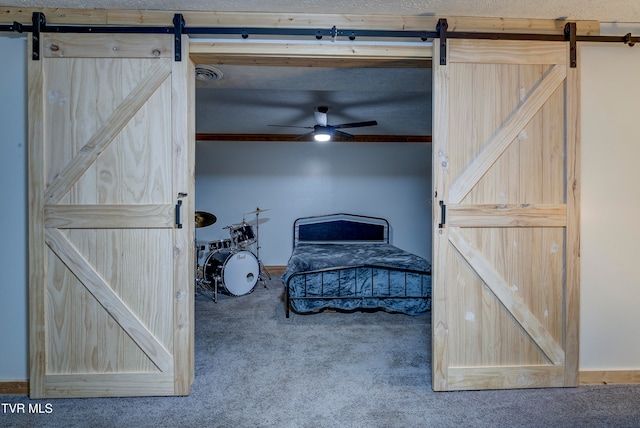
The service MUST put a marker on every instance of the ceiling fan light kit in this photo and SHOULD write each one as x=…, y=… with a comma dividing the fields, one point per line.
x=323, y=132
x=322, y=136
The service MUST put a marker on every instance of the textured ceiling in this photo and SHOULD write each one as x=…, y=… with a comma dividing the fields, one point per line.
x=248, y=98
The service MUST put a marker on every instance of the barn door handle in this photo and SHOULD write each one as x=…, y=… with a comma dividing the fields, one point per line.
x=443, y=214
x=178, y=206
x=178, y=222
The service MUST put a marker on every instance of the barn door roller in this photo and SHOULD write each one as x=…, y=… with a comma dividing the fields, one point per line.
x=39, y=21
x=441, y=28
x=178, y=28
x=570, y=34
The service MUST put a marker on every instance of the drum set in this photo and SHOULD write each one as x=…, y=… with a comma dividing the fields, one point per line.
x=230, y=263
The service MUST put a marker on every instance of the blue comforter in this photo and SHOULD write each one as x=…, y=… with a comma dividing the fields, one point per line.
x=399, y=282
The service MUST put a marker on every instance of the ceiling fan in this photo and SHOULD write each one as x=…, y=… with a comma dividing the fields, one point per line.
x=322, y=131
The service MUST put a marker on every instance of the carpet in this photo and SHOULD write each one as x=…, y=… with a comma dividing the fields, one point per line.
x=256, y=368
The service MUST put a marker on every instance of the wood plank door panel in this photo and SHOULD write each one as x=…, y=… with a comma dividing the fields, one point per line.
x=506, y=234
x=111, y=153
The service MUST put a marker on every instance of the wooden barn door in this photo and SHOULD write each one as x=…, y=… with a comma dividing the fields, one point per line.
x=110, y=156
x=506, y=238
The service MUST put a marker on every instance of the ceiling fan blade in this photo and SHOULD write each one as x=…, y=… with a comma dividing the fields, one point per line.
x=292, y=126
x=304, y=136
x=342, y=134
x=356, y=124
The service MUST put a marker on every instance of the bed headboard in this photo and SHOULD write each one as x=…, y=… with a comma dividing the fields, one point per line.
x=340, y=228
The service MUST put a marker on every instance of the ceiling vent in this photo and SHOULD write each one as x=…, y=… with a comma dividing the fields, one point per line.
x=207, y=73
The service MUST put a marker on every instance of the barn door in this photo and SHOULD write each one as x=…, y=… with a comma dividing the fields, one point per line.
x=110, y=158
x=506, y=240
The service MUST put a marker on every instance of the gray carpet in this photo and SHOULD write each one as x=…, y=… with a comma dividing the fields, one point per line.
x=255, y=368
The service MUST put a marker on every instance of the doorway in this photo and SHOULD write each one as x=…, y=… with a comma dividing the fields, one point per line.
x=300, y=178
x=296, y=178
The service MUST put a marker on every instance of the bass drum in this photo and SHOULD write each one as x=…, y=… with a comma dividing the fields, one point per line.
x=237, y=271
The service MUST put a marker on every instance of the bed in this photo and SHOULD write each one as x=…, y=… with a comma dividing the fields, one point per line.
x=345, y=262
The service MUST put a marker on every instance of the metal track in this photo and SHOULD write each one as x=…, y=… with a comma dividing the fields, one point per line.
x=39, y=25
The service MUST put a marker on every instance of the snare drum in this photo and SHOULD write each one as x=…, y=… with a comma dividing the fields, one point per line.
x=222, y=244
x=242, y=235
x=237, y=271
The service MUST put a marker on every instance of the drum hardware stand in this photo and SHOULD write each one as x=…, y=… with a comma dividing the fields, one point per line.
x=263, y=271
x=262, y=268
x=206, y=285
x=203, y=219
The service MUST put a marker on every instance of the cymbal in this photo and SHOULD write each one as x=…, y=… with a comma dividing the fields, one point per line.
x=258, y=210
x=204, y=219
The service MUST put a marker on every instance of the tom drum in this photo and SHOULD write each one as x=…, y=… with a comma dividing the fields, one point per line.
x=222, y=244
x=237, y=271
x=242, y=235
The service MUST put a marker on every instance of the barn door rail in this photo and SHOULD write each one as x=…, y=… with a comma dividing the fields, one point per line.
x=39, y=25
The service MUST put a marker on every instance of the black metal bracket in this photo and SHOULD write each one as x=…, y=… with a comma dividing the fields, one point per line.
x=39, y=22
x=443, y=215
x=178, y=28
x=570, y=34
x=441, y=29
x=630, y=40
x=17, y=27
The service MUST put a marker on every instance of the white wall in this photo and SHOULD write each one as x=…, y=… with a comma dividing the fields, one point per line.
x=13, y=214
x=389, y=180
x=610, y=209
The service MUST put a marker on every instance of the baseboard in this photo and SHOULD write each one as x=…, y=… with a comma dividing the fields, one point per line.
x=608, y=377
x=14, y=388
x=591, y=377
x=276, y=270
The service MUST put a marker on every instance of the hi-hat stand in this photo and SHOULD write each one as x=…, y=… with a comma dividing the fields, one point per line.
x=263, y=270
